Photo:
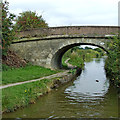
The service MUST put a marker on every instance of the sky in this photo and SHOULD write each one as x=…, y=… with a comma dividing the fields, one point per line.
x=70, y=12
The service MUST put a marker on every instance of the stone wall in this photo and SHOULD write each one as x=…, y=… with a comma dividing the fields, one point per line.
x=71, y=30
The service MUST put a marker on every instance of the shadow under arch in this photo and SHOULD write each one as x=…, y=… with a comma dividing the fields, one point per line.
x=56, y=61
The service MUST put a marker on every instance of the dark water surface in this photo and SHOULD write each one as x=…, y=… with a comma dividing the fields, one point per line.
x=83, y=98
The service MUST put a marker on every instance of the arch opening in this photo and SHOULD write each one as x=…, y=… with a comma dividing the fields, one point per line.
x=56, y=61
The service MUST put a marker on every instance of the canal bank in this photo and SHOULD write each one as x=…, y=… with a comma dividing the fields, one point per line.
x=20, y=95
x=80, y=98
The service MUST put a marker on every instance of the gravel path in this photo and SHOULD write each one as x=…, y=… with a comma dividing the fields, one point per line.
x=69, y=65
x=46, y=77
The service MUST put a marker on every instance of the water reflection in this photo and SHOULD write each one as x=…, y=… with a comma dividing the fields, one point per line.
x=91, y=82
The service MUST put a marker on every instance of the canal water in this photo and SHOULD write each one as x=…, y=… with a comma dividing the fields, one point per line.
x=89, y=96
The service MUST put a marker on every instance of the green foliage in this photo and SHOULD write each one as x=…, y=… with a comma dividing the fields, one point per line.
x=88, y=48
x=29, y=20
x=24, y=74
x=112, y=64
x=5, y=67
x=73, y=71
x=100, y=51
x=76, y=60
x=87, y=54
x=63, y=62
x=8, y=33
x=78, y=56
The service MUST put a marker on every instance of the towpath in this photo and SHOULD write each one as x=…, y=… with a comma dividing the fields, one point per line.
x=60, y=74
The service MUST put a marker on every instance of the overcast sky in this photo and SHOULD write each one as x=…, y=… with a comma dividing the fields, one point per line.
x=70, y=12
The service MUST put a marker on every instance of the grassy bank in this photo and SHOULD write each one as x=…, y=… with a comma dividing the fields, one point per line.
x=26, y=73
x=21, y=95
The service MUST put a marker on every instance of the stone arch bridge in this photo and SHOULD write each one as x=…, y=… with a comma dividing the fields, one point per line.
x=46, y=48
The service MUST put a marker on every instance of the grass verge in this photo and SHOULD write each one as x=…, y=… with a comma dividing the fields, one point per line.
x=29, y=72
x=22, y=95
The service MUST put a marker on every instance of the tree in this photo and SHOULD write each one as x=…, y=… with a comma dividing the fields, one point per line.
x=100, y=51
x=87, y=48
x=29, y=20
x=8, y=32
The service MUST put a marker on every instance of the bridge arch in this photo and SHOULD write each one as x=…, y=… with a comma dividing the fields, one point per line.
x=48, y=51
x=55, y=59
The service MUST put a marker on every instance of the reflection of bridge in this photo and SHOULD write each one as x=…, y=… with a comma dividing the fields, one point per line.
x=48, y=51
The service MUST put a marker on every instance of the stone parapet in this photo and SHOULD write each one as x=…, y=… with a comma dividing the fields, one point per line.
x=70, y=30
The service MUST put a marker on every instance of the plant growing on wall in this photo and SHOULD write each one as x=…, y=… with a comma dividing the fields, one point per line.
x=29, y=20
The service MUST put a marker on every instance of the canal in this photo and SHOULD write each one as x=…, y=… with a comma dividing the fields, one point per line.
x=90, y=95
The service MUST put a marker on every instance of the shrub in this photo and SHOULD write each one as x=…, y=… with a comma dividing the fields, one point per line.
x=112, y=63
x=29, y=20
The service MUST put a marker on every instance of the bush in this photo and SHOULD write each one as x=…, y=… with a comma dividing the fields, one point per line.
x=29, y=20
x=112, y=63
